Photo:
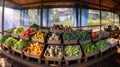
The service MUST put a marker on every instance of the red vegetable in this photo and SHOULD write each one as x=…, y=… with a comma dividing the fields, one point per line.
x=94, y=35
x=28, y=32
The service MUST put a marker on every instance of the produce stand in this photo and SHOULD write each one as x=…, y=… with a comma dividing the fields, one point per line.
x=80, y=39
x=14, y=51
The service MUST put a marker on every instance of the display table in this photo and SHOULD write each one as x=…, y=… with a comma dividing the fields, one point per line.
x=34, y=64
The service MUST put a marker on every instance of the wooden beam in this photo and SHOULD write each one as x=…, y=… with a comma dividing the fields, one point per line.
x=3, y=4
x=118, y=4
x=11, y=1
x=68, y=1
x=119, y=19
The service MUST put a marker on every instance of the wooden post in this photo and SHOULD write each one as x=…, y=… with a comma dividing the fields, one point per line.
x=113, y=19
x=41, y=13
x=100, y=14
x=119, y=19
x=80, y=14
x=3, y=4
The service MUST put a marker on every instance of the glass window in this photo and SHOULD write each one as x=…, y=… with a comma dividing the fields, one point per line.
x=11, y=18
x=116, y=19
x=93, y=17
x=30, y=16
x=107, y=18
x=61, y=16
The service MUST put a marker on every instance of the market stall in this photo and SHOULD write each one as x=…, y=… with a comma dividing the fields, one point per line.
x=59, y=45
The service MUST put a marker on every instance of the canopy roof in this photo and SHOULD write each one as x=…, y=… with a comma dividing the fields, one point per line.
x=107, y=5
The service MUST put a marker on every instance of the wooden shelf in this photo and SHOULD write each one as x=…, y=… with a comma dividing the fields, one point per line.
x=33, y=64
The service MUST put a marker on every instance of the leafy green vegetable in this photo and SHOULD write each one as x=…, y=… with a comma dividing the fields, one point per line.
x=18, y=30
x=72, y=51
x=69, y=36
x=10, y=30
x=34, y=26
x=89, y=48
x=20, y=44
x=3, y=38
x=83, y=35
x=102, y=44
x=10, y=41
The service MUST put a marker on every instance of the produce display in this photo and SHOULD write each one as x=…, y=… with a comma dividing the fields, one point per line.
x=89, y=48
x=112, y=40
x=10, y=41
x=68, y=28
x=34, y=48
x=57, y=45
x=39, y=35
x=54, y=51
x=28, y=32
x=102, y=44
x=34, y=26
x=69, y=36
x=54, y=36
x=94, y=35
x=10, y=30
x=57, y=27
x=110, y=28
x=18, y=30
x=20, y=44
x=3, y=38
x=72, y=50
x=83, y=35
x=103, y=33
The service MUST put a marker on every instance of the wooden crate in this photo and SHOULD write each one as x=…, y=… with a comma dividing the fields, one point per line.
x=15, y=36
x=84, y=42
x=70, y=42
x=104, y=49
x=54, y=42
x=23, y=37
x=38, y=40
x=45, y=30
x=20, y=52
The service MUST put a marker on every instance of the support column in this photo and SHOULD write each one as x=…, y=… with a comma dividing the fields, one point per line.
x=100, y=14
x=41, y=13
x=113, y=19
x=119, y=19
x=80, y=14
x=3, y=6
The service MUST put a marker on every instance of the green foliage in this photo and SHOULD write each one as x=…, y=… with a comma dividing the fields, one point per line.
x=83, y=35
x=3, y=38
x=69, y=36
x=34, y=26
x=20, y=44
x=102, y=44
x=10, y=41
x=72, y=51
x=18, y=30
x=89, y=48
x=10, y=30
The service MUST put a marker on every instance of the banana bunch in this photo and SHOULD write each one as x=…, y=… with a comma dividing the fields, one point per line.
x=39, y=35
